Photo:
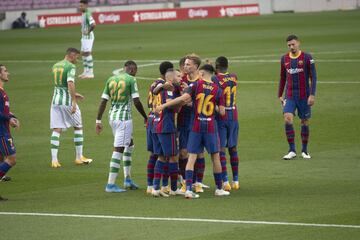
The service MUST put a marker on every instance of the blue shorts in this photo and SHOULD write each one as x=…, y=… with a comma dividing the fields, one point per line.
x=149, y=140
x=228, y=133
x=197, y=141
x=301, y=105
x=167, y=145
x=7, y=147
x=183, y=137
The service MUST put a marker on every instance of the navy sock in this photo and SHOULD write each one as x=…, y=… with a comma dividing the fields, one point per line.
x=4, y=168
x=189, y=179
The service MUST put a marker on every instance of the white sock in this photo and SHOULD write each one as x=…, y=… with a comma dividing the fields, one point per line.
x=127, y=161
x=78, y=140
x=55, y=143
x=114, y=167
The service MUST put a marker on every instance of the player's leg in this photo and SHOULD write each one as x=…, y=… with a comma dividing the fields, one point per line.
x=289, y=110
x=151, y=162
x=118, y=128
x=127, y=159
x=7, y=149
x=58, y=121
x=234, y=158
x=5, y=178
x=195, y=146
x=212, y=145
x=88, y=62
x=183, y=155
x=223, y=132
x=165, y=177
x=76, y=122
x=199, y=170
x=158, y=174
x=55, y=143
x=304, y=112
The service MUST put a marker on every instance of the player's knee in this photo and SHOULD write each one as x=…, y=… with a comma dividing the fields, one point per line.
x=288, y=119
x=183, y=153
x=232, y=150
x=305, y=122
x=11, y=160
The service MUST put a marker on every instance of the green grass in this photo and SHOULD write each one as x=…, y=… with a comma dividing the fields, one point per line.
x=324, y=189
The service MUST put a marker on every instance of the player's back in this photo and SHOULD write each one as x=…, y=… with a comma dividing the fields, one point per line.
x=120, y=88
x=63, y=72
x=228, y=83
x=205, y=96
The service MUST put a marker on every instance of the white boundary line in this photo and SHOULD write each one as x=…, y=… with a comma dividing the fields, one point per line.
x=181, y=220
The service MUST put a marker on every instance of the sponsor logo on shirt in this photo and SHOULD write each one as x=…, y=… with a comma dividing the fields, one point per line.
x=295, y=70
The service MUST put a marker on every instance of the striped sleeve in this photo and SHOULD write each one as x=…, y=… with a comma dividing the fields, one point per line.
x=134, y=89
x=71, y=74
x=282, y=77
x=313, y=76
x=106, y=93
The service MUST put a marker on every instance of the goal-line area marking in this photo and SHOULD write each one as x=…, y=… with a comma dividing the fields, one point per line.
x=204, y=220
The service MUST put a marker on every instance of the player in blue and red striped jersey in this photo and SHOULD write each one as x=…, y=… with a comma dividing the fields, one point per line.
x=191, y=68
x=228, y=124
x=297, y=68
x=7, y=119
x=205, y=95
x=164, y=127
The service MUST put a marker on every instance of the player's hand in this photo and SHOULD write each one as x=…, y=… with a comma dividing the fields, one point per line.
x=158, y=109
x=168, y=86
x=145, y=122
x=98, y=128
x=79, y=97
x=14, y=123
x=73, y=107
x=311, y=100
x=283, y=101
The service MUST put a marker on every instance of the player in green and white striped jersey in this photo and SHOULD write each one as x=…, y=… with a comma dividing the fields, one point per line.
x=65, y=112
x=87, y=39
x=119, y=90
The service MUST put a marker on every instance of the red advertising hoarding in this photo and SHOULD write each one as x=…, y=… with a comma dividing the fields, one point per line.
x=121, y=17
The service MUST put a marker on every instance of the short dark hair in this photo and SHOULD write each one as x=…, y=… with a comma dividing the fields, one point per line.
x=292, y=37
x=84, y=1
x=72, y=50
x=208, y=67
x=130, y=63
x=165, y=66
x=221, y=63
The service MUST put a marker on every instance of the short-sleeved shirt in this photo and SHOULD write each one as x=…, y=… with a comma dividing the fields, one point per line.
x=86, y=21
x=5, y=114
x=205, y=96
x=164, y=122
x=120, y=90
x=63, y=72
x=184, y=115
x=228, y=83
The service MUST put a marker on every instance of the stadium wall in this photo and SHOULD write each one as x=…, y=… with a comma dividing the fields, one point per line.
x=266, y=7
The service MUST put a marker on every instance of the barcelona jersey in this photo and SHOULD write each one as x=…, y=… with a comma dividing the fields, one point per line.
x=184, y=115
x=164, y=122
x=295, y=74
x=205, y=96
x=228, y=83
x=5, y=114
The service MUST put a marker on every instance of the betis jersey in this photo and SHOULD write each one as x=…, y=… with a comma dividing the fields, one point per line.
x=227, y=82
x=205, y=96
x=63, y=72
x=119, y=90
x=295, y=74
x=86, y=21
x=164, y=122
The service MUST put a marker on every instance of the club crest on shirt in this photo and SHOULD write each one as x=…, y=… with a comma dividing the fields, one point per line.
x=301, y=62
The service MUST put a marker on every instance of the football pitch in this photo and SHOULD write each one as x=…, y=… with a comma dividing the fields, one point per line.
x=299, y=199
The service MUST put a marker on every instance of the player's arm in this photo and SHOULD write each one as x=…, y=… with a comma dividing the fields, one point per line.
x=71, y=87
x=282, y=80
x=313, y=78
x=163, y=86
x=221, y=102
x=179, y=101
x=7, y=117
x=104, y=98
x=136, y=99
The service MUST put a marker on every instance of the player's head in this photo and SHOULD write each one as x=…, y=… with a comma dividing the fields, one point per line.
x=182, y=64
x=4, y=74
x=164, y=66
x=130, y=68
x=173, y=76
x=192, y=63
x=206, y=71
x=221, y=64
x=293, y=43
x=72, y=55
x=83, y=5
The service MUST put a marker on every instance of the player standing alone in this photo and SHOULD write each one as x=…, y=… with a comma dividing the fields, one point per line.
x=297, y=68
x=7, y=148
x=87, y=39
x=65, y=112
x=119, y=90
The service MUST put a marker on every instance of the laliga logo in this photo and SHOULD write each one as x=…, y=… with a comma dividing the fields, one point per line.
x=109, y=18
x=198, y=13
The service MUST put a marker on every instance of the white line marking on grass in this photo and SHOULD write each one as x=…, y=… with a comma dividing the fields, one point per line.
x=182, y=220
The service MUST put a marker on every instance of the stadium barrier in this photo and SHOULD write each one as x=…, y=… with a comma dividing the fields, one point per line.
x=122, y=17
